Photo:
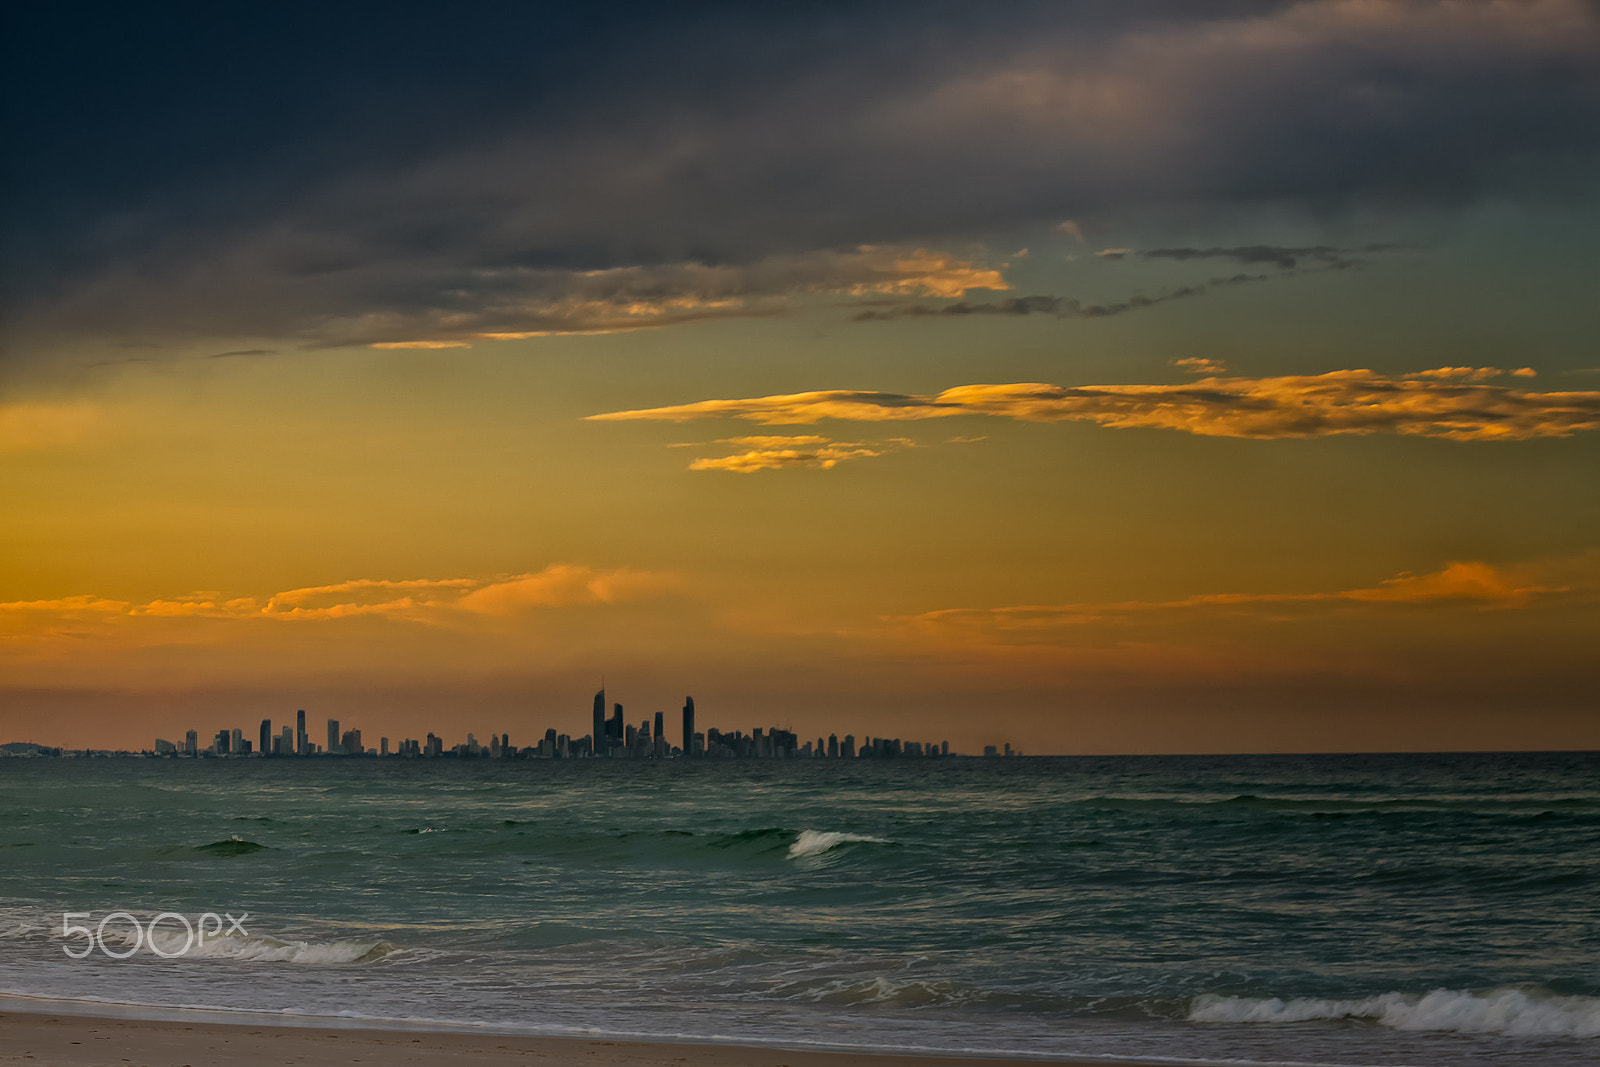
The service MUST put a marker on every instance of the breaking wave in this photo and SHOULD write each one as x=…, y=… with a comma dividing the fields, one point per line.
x=254, y=948
x=816, y=842
x=1523, y=1012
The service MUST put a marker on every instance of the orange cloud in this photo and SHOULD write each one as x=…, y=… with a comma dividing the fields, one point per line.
x=778, y=453
x=1457, y=581
x=419, y=344
x=173, y=608
x=1196, y=365
x=1474, y=583
x=1453, y=403
x=922, y=273
x=364, y=586
x=362, y=596
x=563, y=586
x=436, y=601
x=68, y=605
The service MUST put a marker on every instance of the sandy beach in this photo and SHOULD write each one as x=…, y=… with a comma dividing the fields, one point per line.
x=83, y=1041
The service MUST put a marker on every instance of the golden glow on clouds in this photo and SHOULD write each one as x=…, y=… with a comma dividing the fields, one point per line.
x=537, y=621
x=1471, y=584
x=925, y=273
x=1455, y=403
x=426, y=600
x=544, y=303
x=1196, y=365
x=565, y=586
x=778, y=452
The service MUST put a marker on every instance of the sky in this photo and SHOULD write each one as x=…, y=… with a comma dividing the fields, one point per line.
x=1097, y=378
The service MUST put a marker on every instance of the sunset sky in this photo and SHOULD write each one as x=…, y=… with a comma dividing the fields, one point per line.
x=1102, y=377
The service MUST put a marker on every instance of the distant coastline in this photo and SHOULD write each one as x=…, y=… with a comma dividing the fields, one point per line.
x=612, y=738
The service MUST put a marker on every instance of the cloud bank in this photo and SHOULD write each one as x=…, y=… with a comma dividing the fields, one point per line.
x=675, y=182
x=439, y=601
x=1454, y=403
x=1470, y=584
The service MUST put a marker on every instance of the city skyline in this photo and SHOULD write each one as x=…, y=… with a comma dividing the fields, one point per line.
x=621, y=740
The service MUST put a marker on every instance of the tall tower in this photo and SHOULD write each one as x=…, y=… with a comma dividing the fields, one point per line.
x=688, y=726
x=266, y=737
x=333, y=737
x=600, y=722
x=660, y=736
x=300, y=740
x=618, y=733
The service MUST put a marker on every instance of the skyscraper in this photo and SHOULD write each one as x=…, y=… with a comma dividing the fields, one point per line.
x=300, y=733
x=688, y=726
x=191, y=742
x=333, y=737
x=600, y=722
x=661, y=732
x=266, y=737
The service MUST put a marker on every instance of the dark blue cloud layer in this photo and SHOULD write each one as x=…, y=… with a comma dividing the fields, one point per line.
x=267, y=172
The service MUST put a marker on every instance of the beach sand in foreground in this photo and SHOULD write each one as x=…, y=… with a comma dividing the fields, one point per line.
x=48, y=1040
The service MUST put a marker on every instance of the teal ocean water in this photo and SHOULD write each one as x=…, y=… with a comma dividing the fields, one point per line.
x=1421, y=910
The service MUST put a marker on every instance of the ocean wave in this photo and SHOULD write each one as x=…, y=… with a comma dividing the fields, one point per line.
x=232, y=845
x=913, y=993
x=253, y=948
x=816, y=842
x=1514, y=1011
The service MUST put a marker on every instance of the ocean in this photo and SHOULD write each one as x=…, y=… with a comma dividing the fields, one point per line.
x=1351, y=910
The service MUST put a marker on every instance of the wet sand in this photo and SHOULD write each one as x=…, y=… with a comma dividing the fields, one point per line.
x=57, y=1040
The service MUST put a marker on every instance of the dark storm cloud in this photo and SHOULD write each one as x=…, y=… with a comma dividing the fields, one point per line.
x=349, y=175
x=1286, y=258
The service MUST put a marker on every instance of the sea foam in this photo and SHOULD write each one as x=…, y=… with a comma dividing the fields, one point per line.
x=816, y=842
x=254, y=948
x=1518, y=1011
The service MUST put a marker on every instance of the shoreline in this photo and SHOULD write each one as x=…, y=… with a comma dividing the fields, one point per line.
x=65, y=1034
